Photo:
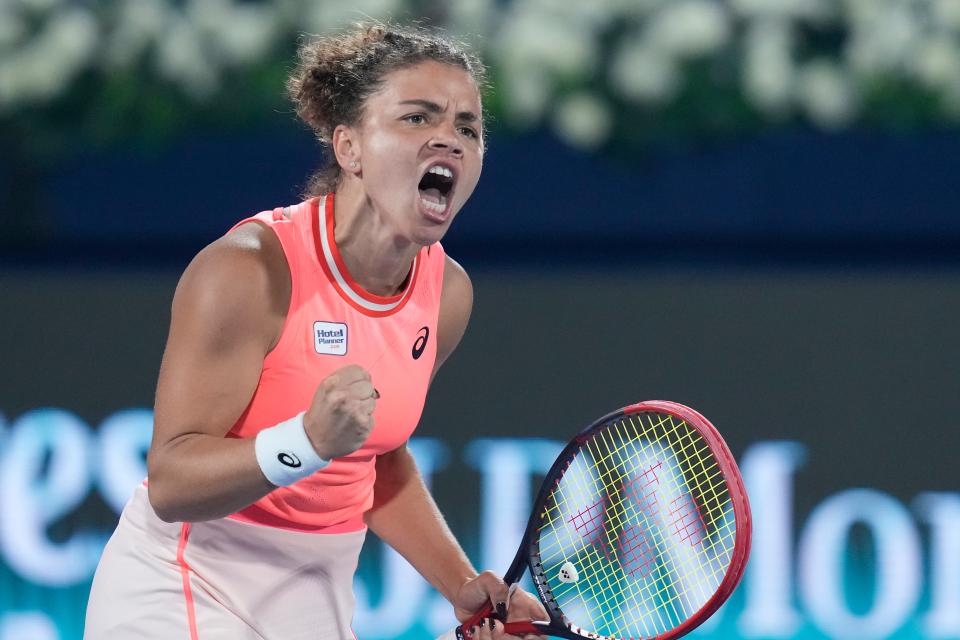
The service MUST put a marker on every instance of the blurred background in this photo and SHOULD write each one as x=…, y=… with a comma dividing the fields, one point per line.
x=748, y=206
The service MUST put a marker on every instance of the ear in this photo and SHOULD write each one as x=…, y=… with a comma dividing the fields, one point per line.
x=346, y=148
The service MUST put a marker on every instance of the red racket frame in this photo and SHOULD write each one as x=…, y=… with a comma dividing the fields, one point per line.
x=524, y=558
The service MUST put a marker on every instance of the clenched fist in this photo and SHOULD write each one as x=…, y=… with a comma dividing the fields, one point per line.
x=340, y=418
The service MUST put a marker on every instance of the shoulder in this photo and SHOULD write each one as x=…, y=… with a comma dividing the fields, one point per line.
x=456, y=304
x=249, y=257
x=457, y=287
x=239, y=283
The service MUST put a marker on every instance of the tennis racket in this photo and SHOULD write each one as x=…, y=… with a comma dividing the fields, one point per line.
x=641, y=529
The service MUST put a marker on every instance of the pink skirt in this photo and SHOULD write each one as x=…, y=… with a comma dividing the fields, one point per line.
x=220, y=579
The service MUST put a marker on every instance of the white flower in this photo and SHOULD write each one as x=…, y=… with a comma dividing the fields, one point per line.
x=885, y=41
x=526, y=91
x=242, y=34
x=71, y=35
x=951, y=101
x=768, y=65
x=583, y=14
x=326, y=17
x=254, y=30
x=643, y=74
x=689, y=28
x=470, y=19
x=10, y=83
x=619, y=11
x=182, y=58
x=139, y=23
x=583, y=120
x=937, y=62
x=43, y=69
x=947, y=13
x=549, y=43
x=639, y=7
x=809, y=9
x=12, y=28
x=861, y=12
x=826, y=94
x=39, y=6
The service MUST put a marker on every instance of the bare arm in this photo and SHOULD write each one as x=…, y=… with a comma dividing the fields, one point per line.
x=227, y=314
x=404, y=514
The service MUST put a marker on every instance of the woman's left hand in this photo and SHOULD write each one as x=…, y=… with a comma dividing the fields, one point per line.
x=488, y=587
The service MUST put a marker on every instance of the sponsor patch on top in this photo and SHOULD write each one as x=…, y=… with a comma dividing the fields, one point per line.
x=330, y=338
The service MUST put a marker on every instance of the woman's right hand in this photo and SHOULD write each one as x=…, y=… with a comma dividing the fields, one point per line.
x=340, y=418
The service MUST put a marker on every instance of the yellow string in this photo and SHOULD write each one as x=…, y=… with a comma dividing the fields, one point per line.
x=605, y=576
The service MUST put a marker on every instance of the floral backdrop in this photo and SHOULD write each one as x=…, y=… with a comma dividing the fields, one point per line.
x=596, y=73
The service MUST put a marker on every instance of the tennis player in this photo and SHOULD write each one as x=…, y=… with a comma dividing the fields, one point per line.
x=301, y=347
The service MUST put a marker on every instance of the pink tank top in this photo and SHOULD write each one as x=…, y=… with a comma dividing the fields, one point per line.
x=333, y=322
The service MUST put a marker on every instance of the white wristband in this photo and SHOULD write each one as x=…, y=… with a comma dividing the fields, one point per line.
x=285, y=454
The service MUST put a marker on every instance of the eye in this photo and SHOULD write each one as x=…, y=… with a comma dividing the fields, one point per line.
x=415, y=118
x=469, y=132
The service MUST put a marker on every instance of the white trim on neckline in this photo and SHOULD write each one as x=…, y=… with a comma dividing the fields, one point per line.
x=325, y=246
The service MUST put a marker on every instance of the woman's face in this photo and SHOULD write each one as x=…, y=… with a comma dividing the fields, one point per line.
x=420, y=144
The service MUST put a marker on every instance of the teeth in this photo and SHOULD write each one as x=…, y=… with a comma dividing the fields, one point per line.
x=438, y=207
x=440, y=171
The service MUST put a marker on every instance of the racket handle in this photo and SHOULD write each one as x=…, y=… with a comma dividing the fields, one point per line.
x=463, y=631
x=510, y=628
x=522, y=628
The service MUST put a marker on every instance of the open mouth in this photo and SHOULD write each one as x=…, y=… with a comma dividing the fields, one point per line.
x=435, y=188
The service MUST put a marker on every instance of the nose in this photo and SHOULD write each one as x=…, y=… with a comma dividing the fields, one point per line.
x=445, y=139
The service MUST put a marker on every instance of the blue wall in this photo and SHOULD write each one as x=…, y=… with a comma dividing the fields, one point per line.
x=785, y=195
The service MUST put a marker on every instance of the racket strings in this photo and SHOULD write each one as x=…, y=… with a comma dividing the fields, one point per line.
x=610, y=601
x=615, y=518
x=663, y=588
x=693, y=477
x=638, y=576
x=706, y=475
x=598, y=454
x=673, y=511
x=601, y=588
x=715, y=498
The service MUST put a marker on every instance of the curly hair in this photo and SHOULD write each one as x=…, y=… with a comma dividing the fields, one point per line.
x=336, y=75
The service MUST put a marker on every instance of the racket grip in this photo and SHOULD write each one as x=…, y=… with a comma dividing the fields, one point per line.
x=521, y=628
x=463, y=631
x=511, y=628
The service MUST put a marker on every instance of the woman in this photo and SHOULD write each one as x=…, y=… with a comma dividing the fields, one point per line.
x=301, y=347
